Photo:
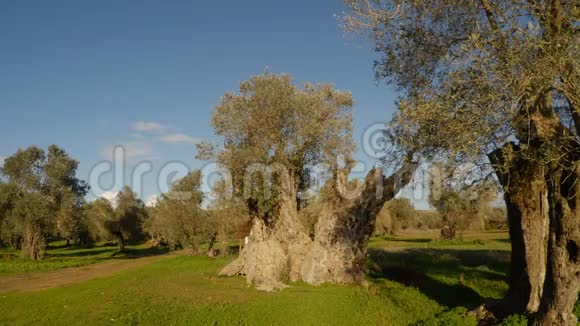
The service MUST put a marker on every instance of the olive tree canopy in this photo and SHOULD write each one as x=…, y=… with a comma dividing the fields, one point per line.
x=496, y=79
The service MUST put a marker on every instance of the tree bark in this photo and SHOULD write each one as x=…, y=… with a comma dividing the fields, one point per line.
x=16, y=242
x=525, y=196
x=339, y=251
x=277, y=243
x=120, y=241
x=282, y=251
x=563, y=274
x=210, y=251
x=34, y=244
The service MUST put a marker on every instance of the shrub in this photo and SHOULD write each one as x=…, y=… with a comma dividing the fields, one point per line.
x=514, y=320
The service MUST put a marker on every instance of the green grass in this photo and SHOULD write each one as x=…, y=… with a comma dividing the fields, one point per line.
x=185, y=291
x=488, y=240
x=419, y=282
x=59, y=256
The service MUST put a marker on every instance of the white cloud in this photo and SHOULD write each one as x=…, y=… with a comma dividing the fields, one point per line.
x=180, y=138
x=152, y=201
x=148, y=126
x=111, y=196
x=2, y=158
x=133, y=151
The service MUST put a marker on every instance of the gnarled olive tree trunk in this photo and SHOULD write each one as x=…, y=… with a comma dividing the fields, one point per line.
x=277, y=243
x=339, y=251
x=280, y=250
x=563, y=273
x=525, y=195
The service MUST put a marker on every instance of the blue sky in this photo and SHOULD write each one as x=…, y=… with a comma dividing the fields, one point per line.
x=88, y=75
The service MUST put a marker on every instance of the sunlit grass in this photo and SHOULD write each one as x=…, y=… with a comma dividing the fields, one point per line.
x=422, y=282
x=59, y=256
x=186, y=291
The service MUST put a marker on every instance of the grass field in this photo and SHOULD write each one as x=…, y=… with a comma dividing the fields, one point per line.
x=414, y=279
x=60, y=256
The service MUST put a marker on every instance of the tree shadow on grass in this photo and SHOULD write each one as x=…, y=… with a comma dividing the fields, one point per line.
x=439, y=273
x=132, y=253
x=128, y=253
x=83, y=253
x=410, y=240
x=445, y=294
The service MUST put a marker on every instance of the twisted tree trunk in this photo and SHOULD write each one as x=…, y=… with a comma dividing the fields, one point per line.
x=563, y=276
x=525, y=196
x=339, y=251
x=280, y=250
x=277, y=243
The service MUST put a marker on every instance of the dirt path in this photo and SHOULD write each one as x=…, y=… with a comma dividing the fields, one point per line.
x=72, y=275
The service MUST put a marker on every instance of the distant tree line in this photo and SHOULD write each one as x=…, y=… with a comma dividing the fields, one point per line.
x=42, y=199
x=455, y=216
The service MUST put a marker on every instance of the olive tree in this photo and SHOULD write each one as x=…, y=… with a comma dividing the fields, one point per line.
x=274, y=132
x=402, y=213
x=121, y=223
x=500, y=80
x=179, y=220
x=42, y=197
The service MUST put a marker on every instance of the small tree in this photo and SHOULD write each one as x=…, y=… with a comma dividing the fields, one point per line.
x=179, y=220
x=462, y=208
x=396, y=214
x=122, y=223
x=384, y=222
x=97, y=213
x=402, y=214
x=68, y=217
x=32, y=219
x=8, y=233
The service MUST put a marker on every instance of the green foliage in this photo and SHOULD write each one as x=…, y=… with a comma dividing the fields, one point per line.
x=230, y=213
x=402, y=213
x=466, y=82
x=273, y=130
x=178, y=219
x=41, y=197
x=129, y=215
x=122, y=223
x=460, y=206
x=397, y=214
x=514, y=320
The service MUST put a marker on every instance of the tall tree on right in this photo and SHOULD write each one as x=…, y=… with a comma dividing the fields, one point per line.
x=496, y=82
